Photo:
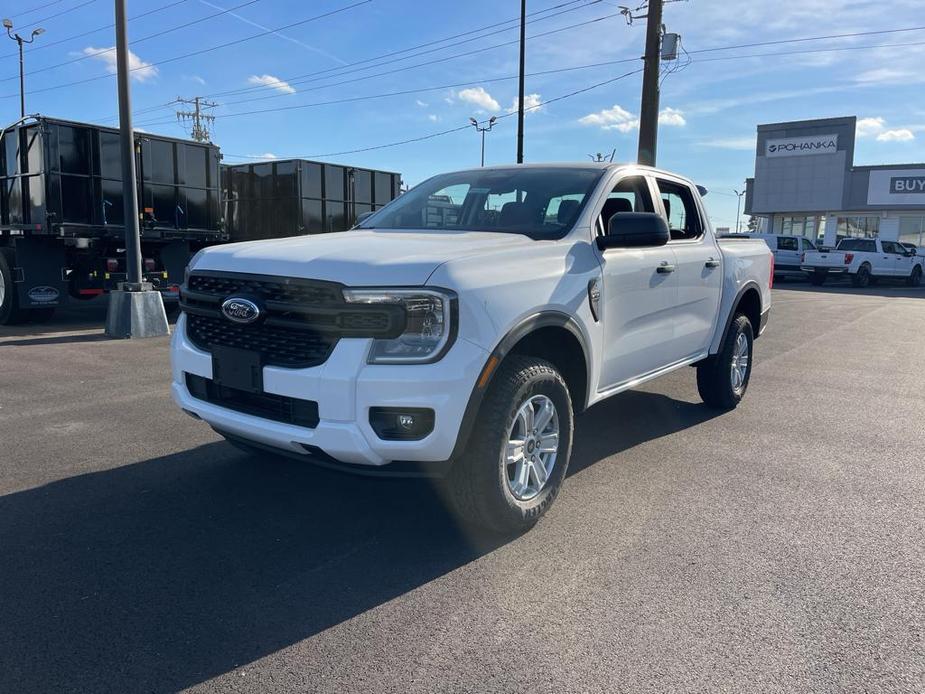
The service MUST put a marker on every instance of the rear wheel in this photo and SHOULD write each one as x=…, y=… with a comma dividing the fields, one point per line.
x=817, y=278
x=723, y=378
x=10, y=312
x=862, y=277
x=915, y=279
x=518, y=453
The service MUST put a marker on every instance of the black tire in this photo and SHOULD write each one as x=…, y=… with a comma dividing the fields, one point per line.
x=862, y=277
x=10, y=312
x=714, y=375
x=477, y=485
x=817, y=279
x=915, y=279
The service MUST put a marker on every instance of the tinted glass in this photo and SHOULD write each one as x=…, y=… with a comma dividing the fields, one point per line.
x=113, y=210
x=311, y=180
x=334, y=180
x=787, y=243
x=501, y=200
x=73, y=150
x=110, y=156
x=363, y=186
x=808, y=245
x=680, y=209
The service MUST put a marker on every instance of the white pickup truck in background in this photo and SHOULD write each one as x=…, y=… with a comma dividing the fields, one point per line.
x=460, y=328
x=864, y=260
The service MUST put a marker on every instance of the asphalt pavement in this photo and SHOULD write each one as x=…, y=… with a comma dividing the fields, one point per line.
x=779, y=547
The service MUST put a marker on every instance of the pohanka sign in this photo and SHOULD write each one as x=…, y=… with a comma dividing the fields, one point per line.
x=801, y=146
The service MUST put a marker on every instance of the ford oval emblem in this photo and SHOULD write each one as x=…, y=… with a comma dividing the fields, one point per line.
x=240, y=310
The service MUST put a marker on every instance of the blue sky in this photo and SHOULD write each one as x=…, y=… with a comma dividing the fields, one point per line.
x=711, y=106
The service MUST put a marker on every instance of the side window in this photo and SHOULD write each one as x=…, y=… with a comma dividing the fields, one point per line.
x=891, y=247
x=681, y=211
x=869, y=246
x=631, y=194
x=807, y=245
x=787, y=243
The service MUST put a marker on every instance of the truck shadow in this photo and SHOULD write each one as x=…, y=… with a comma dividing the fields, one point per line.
x=158, y=575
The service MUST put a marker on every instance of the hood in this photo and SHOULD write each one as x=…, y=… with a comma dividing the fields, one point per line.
x=356, y=258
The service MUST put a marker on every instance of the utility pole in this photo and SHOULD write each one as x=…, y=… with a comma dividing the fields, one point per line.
x=483, y=130
x=648, y=115
x=200, y=132
x=520, y=87
x=8, y=25
x=135, y=309
x=738, y=205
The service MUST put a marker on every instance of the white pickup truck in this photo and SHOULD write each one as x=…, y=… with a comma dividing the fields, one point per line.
x=864, y=260
x=457, y=330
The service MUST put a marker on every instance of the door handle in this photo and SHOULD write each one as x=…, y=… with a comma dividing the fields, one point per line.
x=665, y=268
x=711, y=263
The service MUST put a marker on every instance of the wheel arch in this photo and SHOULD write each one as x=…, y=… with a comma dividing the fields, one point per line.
x=551, y=335
x=747, y=302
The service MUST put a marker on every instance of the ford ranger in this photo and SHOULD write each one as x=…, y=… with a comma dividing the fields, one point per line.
x=458, y=329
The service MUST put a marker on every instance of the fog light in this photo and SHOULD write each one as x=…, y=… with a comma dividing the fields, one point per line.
x=401, y=423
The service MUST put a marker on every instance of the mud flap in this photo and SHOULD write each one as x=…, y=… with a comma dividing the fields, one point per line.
x=39, y=272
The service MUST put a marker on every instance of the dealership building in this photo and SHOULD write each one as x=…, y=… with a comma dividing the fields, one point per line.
x=806, y=184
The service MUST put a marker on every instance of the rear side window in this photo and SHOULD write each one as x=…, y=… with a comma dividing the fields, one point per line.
x=786, y=243
x=862, y=245
x=680, y=210
x=807, y=245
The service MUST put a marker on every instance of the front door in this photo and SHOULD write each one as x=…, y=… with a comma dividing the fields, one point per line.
x=639, y=294
x=899, y=263
x=699, y=271
x=787, y=254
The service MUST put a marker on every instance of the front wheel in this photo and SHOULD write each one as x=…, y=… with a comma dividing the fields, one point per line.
x=519, y=450
x=915, y=279
x=723, y=378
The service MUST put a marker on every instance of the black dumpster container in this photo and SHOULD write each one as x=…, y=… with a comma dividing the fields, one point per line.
x=292, y=197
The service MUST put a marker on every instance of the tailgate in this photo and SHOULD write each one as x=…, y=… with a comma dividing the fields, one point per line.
x=824, y=258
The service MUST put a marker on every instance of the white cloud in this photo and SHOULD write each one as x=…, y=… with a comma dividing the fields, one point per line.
x=195, y=78
x=671, y=116
x=273, y=82
x=532, y=103
x=433, y=117
x=884, y=75
x=898, y=135
x=266, y=156
x=422, y=104
x=736, y=143
x=139, y=70
x=868, y=127
x=616, y=118
x=479, y=97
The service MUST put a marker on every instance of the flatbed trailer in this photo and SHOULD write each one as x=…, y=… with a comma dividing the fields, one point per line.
x=62, y=234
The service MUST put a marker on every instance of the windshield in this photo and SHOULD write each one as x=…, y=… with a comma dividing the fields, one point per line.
x=540, y=202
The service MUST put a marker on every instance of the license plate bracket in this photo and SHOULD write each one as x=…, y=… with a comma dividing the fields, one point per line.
x=237, y=368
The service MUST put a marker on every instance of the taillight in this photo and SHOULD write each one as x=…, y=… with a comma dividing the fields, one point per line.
x=149, y=265
x=112, y=265
x=848, y=258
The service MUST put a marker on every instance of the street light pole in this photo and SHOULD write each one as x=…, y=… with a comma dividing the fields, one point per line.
x=483, y=130
x=738, y=206
x=8, y=25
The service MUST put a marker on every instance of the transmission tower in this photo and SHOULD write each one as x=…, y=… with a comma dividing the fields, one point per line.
x=200, y=120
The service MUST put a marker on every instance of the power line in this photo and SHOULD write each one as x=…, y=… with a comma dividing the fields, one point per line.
x=200, y=51
x=296, y=79
x=809, y=38
x=431, y=136
x=136, y=41
x=35, y=9
x=58, y=14
x=49, y=44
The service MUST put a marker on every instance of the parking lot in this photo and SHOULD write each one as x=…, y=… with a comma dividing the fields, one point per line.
x=778, y=547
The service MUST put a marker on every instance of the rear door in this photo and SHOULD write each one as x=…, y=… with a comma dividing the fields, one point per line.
x=639, y=295
x=699, y=268
x=787, y=255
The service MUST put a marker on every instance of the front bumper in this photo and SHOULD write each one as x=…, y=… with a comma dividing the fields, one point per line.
x=345, y=388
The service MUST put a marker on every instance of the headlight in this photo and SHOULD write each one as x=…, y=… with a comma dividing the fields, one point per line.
x=429, y=328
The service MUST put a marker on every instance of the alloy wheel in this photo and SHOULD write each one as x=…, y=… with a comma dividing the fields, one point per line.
x=739, y=366
x=532, y=448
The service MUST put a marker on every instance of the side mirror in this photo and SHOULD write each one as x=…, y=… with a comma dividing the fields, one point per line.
x=635, y=230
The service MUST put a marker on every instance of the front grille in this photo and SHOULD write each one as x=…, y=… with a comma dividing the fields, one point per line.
x=279, y=408
x=301, y=322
